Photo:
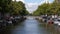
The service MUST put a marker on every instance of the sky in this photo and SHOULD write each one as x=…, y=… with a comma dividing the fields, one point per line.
x=32, y=5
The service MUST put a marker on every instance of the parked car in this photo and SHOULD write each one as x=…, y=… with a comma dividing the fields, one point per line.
x=58, y=19
x=17, y=17
x=50, y=21
x=44, y=18
x=1, y=23
x=56, y=22
x=59, y=24
x=12, y=20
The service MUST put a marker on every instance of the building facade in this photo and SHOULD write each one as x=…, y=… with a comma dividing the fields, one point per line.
x=57, y=1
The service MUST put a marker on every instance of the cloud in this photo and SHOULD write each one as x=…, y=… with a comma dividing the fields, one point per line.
x=31, y=8
x=33, y=5
x=19, y=0
x=22, y=1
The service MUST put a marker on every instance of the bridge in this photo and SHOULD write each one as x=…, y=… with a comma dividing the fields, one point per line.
x=32, y=16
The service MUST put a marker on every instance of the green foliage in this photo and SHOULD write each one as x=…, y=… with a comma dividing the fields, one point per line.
x=5, y=5
x=49, y=9
x=12, y=7
x=18, y=8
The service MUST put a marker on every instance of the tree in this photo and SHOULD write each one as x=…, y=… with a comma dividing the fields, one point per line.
x=49, y=9
x=12, y=7
x=5, y=5
x=18, y=8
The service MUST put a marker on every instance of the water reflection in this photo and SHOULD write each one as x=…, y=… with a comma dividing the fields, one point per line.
x=32, y=26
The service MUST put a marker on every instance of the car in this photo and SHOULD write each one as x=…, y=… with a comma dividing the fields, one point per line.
x=12, y=20
x=44, y=18
x=50, y=21
x=56, y=22
x=1, y=23
x=17, y=17
x=59, y=24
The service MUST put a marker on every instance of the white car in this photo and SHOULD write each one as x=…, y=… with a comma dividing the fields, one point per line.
x=17, y=17
x=56, y=22
x=10, y=22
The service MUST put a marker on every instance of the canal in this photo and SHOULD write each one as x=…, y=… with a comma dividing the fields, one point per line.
x=32, y=26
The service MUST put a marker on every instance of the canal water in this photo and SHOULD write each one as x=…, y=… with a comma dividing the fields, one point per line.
x=32, y=26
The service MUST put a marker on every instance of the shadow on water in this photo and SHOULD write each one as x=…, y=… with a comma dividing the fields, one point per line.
x=50, y=29
x=31, y=26
x=8, y=29
x=5, y=30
